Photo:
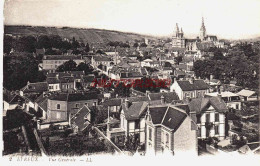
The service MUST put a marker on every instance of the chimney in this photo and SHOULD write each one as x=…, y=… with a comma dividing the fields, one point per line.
x=127, y=103
x=57, y=75
x=174, y=80
x=191, y=80
x=147, y=92
x=219, y=94
x=162, y=99
x=211, y=77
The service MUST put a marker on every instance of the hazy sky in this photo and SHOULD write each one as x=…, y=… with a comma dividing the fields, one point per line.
x=225, y=18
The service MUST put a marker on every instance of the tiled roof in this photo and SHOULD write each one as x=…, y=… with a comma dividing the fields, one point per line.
x=199, y=105
x=82, y=96
x=135, y=110
x=184, y=107
x=139, y=98
x=79, y=118
x=157, y=114
x=37, y=87
x=67, y=79
x=196, y=85
x=62, y=57
x=102, y=58
x=168, y=96
x=246, y=93
x=113, y=102
x=52, y=80
x=173, y=118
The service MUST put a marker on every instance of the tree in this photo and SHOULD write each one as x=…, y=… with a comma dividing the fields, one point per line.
x=167, y=64
x=178, y=59
x=143, y=45
x=67, y=66
x=135, y=45
x=85, y=67
x=21, y=70
x=8, y=44
x=87, y=48
x=43, y=42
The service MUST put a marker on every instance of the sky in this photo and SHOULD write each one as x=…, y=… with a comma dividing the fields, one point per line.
x=230, y=19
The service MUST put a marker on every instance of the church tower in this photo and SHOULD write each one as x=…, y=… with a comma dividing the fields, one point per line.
x=202, y=30
x=178, y=39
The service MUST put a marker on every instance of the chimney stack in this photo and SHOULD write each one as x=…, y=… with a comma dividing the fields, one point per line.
x=127, y=103
x=191, y=80
x=162, y=99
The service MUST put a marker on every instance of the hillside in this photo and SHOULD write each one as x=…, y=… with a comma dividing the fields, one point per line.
x=85, y=35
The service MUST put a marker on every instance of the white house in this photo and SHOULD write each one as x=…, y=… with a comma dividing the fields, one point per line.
x=189, y=88
x=231, y=99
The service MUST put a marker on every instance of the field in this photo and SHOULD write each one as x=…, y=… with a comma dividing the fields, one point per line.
x=80, y=34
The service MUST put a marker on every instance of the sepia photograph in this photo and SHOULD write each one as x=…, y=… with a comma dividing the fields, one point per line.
x=119, y=81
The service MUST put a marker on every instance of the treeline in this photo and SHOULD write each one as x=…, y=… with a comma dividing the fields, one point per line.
x=240, y=64
x=31, y=43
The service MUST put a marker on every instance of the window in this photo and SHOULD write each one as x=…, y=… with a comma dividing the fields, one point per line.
x=237, y=106
x=216, y=130
x=167, y=139
x=162, y=137
x=137, y=124
x=150, y=134
x=216, y=117
x=50, y=87
x=58, y=106
x=198, y=94
x=77, y=105
x=207, y=117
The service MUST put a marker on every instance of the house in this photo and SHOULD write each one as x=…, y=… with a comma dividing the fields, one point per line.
x=34, y=88
x=64, y=81
x=88, y=81
x=52, y=62
x=209, y=115
x=67, y=84
x=104, y=60
x=132, y=119
x=11, y=100
x=113, y=105
x=147, y=63
x=231, y=99
x=81, y=120
x=162, y=98
x=248, y=95
x=191, y=88
x=62, y=106
x=169, y=128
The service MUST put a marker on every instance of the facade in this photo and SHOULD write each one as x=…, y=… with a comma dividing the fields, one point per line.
x=63, y=106
x=209, y=115
x=178, y=39
x=132, y=119
x=186, y=89
x=169, y=128
x=52, y=62
x=231, y=99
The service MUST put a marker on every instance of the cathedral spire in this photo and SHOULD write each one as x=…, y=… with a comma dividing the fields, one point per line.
x=176, y=29
x=202, y=30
